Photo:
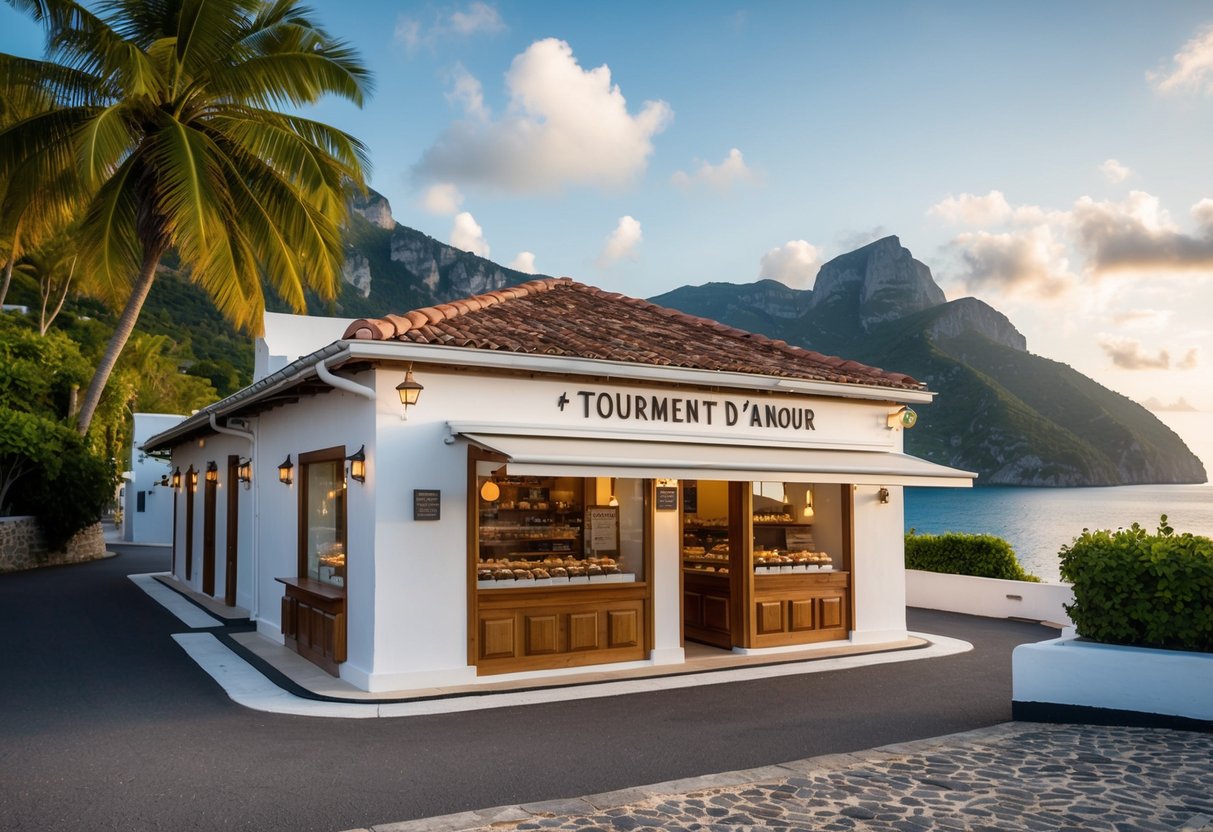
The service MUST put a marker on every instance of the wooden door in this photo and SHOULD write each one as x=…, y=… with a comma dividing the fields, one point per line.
x=190, y=485
x=208, y=537
x=233, y=530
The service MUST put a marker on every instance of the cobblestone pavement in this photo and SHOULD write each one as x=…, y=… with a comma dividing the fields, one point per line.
x=1017, y=776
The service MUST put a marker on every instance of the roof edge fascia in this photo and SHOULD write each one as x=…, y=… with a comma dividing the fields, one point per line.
x=565, y=365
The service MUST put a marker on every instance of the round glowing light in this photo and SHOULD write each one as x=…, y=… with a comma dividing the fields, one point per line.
x=490, y=491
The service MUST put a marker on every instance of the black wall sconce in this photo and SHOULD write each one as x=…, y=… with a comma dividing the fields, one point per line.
x=176, y=480
x=244, y=471
x=191, y=477
x=357, y=461
x=883, y=495
x=212, y=472
x=284, y=471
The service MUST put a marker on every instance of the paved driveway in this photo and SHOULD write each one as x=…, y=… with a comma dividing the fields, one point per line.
x=106, y=724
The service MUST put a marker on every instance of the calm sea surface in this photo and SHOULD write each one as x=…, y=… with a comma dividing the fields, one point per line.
x=1039, y=521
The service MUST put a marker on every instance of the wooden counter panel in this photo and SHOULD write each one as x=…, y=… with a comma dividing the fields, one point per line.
x=541, y=628
x=799, y=608
x=314, y=622
x=705, y=608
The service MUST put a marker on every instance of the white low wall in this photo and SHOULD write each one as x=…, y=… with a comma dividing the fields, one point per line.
x=1065, y=671
x=990, y=597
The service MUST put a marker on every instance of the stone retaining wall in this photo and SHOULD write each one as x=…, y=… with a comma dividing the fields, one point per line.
x=22, y=546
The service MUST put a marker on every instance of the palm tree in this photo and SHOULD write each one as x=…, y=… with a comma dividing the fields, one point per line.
x=175, y=121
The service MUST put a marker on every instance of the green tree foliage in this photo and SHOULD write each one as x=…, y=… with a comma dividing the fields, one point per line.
x=1133, y=587
x=980, y=555
x=165, y=118
x=46, y=469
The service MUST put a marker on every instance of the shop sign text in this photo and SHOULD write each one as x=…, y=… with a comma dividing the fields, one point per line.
x=645, y=407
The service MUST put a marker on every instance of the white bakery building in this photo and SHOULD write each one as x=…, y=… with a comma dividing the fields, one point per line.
x=547, y=477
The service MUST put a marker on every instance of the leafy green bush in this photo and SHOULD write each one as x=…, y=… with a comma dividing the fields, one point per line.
x=980, y=555
x=1132, y=587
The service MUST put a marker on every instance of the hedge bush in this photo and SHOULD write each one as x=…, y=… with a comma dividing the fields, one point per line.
x=1132, y=587
x=980, y=555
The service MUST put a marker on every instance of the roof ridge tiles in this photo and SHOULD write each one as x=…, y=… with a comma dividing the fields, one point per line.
x=564, y=334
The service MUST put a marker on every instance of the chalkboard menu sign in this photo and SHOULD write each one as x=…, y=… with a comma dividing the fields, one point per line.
x=690, y=497
x=427, y=504
x=667, y=498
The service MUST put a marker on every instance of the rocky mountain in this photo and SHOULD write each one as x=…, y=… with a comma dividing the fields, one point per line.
x=390, y=267
x=1013, y=417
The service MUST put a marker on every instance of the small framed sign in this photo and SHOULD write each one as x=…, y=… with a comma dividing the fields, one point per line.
x=427, y=504
x=667, y=498
x=602, y=530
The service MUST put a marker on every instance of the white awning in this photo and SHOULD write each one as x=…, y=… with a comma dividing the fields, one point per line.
x=563, y=456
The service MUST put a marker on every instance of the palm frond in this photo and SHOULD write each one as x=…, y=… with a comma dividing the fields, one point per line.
x=102, y=143
x=110, y=243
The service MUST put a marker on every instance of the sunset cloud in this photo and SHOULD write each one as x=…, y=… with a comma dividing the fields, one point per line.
x=1129, y=354
x=623, y=242
x=1191, y=67
x=795, y=264
x=1028, y=261
x=563, y=126
x=732, y=171
x=1138, y=234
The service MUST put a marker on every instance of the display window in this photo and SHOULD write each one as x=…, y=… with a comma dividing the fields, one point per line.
x=705, y=529
x=784, y=521
x=322, y=555
x=548, y=531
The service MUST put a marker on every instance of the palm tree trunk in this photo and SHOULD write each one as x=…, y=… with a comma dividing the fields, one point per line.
x=126, y=325
x=10, y=262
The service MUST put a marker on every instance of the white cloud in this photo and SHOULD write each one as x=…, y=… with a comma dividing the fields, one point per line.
x=969, y=209
x=1138, y=233
x=479, y=18
x=468, y=94
x=1191, y=67
x=1114, y=171
x=564, y=125
x=466, y=234
x=1142, y=318
x=1190, y=361
x=1129, y=354
x=442, y=199
x=731, y=171
x=622, y=242
x=524, y=262
x=795, y=264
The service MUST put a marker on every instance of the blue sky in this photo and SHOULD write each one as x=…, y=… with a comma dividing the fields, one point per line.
x=1049, y=158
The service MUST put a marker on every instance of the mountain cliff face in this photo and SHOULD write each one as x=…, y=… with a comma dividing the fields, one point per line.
x=1013, y=417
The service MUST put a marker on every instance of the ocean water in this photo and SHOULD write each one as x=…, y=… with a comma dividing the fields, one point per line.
x=1039, y=521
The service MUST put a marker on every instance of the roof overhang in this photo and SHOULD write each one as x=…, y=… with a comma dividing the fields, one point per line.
x=658, y=457
x=344, y=352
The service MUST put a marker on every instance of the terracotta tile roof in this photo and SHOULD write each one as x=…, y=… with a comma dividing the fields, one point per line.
x=557, y=316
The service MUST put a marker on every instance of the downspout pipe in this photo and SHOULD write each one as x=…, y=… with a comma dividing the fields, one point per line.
x=248, y=436
x=342, y=383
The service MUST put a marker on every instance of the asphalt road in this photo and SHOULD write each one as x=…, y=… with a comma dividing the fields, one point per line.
x=105, y=723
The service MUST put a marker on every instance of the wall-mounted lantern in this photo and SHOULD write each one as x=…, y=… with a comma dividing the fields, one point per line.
x=409, y=390
x=284, y=470
x=808, y=503
x=244, y=471
x=191, y=477
x=357, y=461
x=212, y=472
x=883, y=495
x=177, y=478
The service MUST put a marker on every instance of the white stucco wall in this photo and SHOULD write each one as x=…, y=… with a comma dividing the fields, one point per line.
x=155, y=523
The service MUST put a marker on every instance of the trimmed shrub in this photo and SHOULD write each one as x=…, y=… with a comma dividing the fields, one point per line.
x=1150, y=590
x=954, y=553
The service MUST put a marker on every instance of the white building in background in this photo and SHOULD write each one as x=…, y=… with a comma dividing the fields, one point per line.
x=147, y=499
x=580, y=479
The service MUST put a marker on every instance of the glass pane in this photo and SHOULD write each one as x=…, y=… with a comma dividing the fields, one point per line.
x=324, y=518
x=785, y=529
x=705, y=526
